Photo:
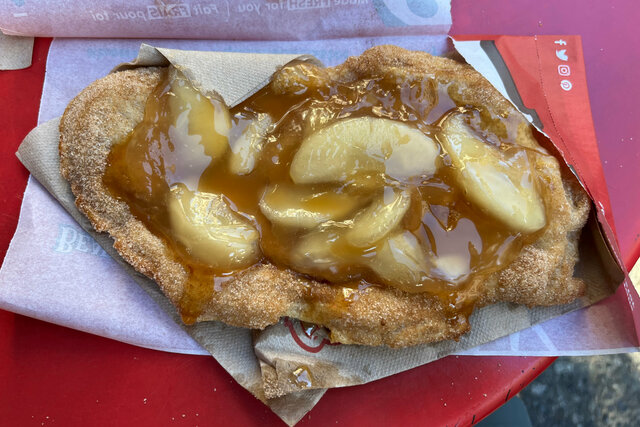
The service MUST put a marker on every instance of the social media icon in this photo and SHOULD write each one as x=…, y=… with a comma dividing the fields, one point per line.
x=566, y=85
x=564, y=70
x=560, y=42
x=562, y=54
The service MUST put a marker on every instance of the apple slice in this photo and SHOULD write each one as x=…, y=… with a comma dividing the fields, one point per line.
x=212, y=232
x=199, y=119
x=501, y=186
x=379, y=218
x=401, y=262
x=246, y=148
x=302, y=207
x=298, y=78
x=361, y=146
x=452, y=266
x=314, y=254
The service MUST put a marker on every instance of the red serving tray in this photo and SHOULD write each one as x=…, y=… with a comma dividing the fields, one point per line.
x=54, y=375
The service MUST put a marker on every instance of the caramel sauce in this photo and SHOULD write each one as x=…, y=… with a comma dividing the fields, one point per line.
x=302, y=378
x=184, y=141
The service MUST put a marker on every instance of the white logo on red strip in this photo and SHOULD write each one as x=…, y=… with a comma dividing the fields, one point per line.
x=566, y=85
x=564, y=70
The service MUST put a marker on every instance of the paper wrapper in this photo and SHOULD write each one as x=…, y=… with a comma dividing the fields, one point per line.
x=232, y=347
x=224, y=19
x=15, y=52
x=283, y=364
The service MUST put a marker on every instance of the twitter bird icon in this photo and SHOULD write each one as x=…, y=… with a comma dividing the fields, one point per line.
x=562, y=54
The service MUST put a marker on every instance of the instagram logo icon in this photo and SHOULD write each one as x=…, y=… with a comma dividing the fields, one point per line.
x=566, y=85
x=564, y=70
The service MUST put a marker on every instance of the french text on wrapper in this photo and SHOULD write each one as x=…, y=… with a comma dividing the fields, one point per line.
x=221, y=9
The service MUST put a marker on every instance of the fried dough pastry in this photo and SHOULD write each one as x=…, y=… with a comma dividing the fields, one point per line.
x=260, y=292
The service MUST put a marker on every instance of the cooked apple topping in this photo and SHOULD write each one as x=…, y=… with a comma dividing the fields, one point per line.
x=371, y=146
x=306, y=208
x=247, y=145
x=497, y=180
x=210, y=230
x=344, y=181
x=401, y=261
x=379, y=219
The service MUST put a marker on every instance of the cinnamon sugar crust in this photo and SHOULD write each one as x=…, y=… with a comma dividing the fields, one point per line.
x=107, y=111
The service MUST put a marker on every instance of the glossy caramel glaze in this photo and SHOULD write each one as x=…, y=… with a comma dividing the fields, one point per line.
x=301, y=100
